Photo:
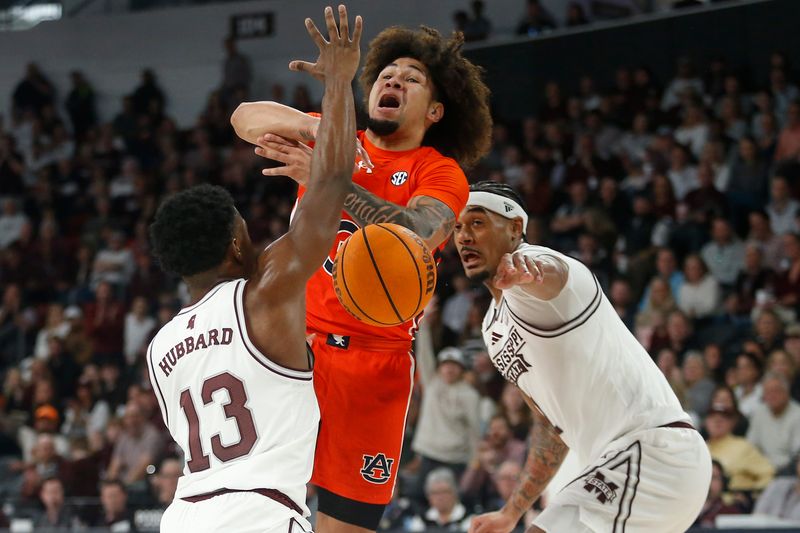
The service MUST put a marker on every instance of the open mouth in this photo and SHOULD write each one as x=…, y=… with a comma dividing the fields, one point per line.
x=389, y=101
x=470, y=257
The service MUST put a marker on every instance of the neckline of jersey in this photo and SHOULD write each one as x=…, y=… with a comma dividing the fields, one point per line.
x=373, y=150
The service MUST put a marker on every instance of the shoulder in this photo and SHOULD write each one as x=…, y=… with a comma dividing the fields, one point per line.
x=430, y=159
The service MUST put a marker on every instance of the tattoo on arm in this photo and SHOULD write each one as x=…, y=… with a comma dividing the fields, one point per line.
x=428, y=217
x=545, y=457
x=306, y=134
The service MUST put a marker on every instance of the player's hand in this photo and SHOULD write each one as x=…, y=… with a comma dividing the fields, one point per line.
x=518, y=269
x=296, y=157
x=496, y=522
x=339, y=56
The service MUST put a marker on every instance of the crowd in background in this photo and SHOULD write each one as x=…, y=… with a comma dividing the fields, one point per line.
x=682, y=196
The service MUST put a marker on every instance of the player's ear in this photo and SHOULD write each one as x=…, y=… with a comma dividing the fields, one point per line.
x=237, y=250
x=517, y=231
x=435, y=111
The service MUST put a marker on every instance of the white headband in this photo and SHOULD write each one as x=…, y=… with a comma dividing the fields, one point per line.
x=505, y=207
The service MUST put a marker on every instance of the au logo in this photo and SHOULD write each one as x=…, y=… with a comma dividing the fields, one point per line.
x=399, y=178
x=377, y=469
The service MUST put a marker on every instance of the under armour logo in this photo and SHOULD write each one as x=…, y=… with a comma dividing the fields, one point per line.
x=338, y=341
x=496, y=337
x=377, y=469
x=605, y=492
x=363, y=166
x=191, y=322
x=508, y=207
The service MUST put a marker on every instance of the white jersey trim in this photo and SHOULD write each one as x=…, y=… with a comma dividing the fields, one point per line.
x=266, y=362
x=567, y=326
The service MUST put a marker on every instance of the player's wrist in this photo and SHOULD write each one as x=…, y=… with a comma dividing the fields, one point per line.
x=512, y=512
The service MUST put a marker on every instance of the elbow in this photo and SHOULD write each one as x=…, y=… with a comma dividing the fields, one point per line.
x=238, y=118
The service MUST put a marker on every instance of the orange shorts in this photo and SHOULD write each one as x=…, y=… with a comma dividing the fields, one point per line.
x=363, y=398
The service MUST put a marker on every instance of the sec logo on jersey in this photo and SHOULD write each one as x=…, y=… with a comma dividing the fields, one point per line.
x=399, y=178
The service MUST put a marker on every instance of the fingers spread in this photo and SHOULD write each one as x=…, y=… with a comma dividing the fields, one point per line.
x=316, y=36
x=344, y=25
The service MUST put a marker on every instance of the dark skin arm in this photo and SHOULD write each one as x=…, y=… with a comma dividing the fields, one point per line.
x=544, y=459
x=275, y=297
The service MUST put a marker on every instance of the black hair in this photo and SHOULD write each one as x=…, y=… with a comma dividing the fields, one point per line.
x=500, y=189
x=193, y=229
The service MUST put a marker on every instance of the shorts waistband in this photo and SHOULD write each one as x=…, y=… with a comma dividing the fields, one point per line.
x=272, y=494
x=684, y=425
x=346, y=342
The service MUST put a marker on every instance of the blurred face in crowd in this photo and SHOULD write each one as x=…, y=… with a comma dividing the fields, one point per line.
x=693, y=269
x=768, y=326
x=133, y=419
x=666, y=361
x=752, y=258
x=482, y=238
x=712, y=356
x=781, y=363
x=719, y=425
x=512, y=398
x=717, y=483
x=779, y=189
x=659, y=291
x=498, y=433
x=167, y=480
x=505, y=479
x=747, y=149
x=442, y=497
x=776, y=395
x=52, y=495
x=620, y=293
x=665, y=262
x=721, y=231
x=791, y=247
x=678, y=327
x=693, y=369
x=450, y=371
x=113, y=499
x=746, y=371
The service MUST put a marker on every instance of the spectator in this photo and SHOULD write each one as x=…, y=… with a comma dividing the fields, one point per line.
x=165, y=482
x=667, y=362
x=782, y=208
x=445, y=511
x=43, y=436
x=237, y=74
x=699, y=388
x=513, y=407
x=694, y=130
x=449, y=428
x=682, y=174
x=80, y=105
x=136, y=448
x=12, y=223
x=781, y=498
x=55, y=325
x=749, y=390
x=658, y=305
x=56, y=516
x=105, y=324
x=768, y=331
x=719, y=501
x=139, y=326
x=699, y=295
x=724, y=255
x=148, y=96
x=762, y=236
x=478, y=27
x=536, y=21
x=789, y=139
x=569, y=220
x=725, y=398
x=32, y=93
x=775, y=425
x=752, y=280
x=781, y=363
x=748, y=469
x=685, y=80
x=115, y=515
x=497, y=446
x=787, y=283
x=621, y=297
x=86, y=415
x=575, y=15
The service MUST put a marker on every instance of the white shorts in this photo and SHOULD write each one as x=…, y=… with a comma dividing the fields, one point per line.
x=650, y=481
x=240, y=511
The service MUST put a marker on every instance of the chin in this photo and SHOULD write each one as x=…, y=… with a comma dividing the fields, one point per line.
x=382, y=128
x=477, y=275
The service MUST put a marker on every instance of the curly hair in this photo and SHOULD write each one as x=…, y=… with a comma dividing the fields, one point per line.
x=192, y=230
x=464, y=132
x=500, y=189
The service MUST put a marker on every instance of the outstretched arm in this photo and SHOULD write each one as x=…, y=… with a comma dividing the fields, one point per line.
x=291, y=260
x=544, y=459
x=251, y=120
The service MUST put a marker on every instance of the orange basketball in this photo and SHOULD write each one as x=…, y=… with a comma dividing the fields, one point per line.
x=384, y=274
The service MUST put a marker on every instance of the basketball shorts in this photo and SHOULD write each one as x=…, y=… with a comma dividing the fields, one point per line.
x=650, y=480
x=243, y=512
x=363, y=395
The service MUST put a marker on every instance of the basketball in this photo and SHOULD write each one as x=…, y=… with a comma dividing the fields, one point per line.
x=384, y=274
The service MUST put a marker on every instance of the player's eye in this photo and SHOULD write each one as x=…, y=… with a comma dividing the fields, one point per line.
x=412, y=80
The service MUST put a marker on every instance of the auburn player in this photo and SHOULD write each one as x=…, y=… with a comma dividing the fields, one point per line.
x=428, y=114
x=231, y=371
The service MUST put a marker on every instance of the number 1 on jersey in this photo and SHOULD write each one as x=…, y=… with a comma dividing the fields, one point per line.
x=236, y=409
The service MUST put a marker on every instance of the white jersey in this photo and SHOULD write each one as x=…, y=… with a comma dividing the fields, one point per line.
x=243, y=421
x=576, y=359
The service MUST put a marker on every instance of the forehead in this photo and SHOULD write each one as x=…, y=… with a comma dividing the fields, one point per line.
x=408, y=63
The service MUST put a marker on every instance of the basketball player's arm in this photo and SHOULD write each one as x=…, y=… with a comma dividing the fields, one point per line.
x=291, y=260
x=544, y=459
x=540, y=275
x=431, y=219
x=251, y=120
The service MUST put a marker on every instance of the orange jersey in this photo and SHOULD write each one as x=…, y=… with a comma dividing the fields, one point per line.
x=396, y=177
